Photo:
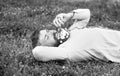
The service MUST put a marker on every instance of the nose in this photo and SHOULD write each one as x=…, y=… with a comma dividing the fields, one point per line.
x=47, y=30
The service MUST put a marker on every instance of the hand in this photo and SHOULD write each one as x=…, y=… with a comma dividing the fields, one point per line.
x=60, y=19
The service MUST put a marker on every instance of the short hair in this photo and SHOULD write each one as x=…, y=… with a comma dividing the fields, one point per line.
x=34, y=38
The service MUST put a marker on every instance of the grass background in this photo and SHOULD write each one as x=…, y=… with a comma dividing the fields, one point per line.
x=18, y=20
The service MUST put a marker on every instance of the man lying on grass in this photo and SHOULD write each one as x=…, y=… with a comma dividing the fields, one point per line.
x=77, y=42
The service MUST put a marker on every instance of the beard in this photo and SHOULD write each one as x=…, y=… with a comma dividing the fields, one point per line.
x=62, y=35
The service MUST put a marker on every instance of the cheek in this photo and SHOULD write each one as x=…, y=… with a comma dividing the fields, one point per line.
x=41, y=40
x=51, y=40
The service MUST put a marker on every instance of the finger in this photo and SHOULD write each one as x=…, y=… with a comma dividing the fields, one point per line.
x=54, y=22
x=61, y=21
x=57, y=23
x=62, y=17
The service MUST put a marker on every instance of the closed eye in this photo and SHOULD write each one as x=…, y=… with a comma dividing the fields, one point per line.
x=47, y=30
x=46, y=37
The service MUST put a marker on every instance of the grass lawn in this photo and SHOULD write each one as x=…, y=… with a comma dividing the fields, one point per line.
x=18, y=20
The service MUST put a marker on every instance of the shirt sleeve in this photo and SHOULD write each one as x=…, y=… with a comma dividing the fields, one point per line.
x=44, y=53
x=81, y=17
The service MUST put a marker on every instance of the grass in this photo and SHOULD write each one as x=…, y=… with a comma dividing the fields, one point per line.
x=18, y=20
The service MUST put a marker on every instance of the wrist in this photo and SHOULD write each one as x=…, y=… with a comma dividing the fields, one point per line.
x=72, y=14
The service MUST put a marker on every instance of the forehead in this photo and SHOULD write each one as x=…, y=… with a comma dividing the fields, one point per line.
x=47, y=31
x=42, y=31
